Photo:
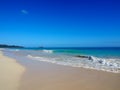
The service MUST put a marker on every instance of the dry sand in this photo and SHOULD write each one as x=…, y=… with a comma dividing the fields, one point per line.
x=10, y=73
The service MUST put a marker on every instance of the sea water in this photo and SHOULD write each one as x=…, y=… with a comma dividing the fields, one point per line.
x=106, y=59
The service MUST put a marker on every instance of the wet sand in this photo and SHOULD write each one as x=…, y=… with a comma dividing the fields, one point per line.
x=10, y=73
x=47, y=76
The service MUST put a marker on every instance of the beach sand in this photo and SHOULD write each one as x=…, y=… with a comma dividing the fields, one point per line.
x=10, y=73
x=46, y=76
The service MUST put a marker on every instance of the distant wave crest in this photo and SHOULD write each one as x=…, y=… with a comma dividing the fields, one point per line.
x=47, y=51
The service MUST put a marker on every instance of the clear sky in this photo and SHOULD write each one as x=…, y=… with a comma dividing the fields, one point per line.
x=73, y=23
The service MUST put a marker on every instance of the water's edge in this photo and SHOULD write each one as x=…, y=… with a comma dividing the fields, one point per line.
x=92, y=62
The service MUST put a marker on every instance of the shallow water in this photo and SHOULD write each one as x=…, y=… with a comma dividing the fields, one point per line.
x=106, y=59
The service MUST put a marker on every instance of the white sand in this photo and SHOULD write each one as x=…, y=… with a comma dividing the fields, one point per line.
x=10, y=73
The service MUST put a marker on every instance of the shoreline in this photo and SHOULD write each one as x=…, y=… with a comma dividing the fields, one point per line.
x=117, y=72
x=10, y=73
x=48, y=76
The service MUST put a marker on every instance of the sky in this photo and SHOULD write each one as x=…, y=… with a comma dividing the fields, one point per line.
x=60, y=23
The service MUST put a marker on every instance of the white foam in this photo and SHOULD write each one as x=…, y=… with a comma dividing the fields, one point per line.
x=110, y=65
x=108, y=62
x=30, y=56
x=48, y=51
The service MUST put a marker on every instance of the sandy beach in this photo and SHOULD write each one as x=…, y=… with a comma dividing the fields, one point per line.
x=10, y=73
x=46, y=76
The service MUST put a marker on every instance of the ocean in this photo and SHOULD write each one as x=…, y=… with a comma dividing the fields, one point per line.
x=102, y=58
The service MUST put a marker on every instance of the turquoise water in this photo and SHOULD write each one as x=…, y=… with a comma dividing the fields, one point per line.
x=99, y=52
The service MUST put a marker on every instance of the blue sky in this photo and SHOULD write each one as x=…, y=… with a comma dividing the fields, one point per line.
x=62, y=23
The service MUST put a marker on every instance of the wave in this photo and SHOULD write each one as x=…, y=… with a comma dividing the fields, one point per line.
x=110, y=65
x=47, y=51
x=108, y=62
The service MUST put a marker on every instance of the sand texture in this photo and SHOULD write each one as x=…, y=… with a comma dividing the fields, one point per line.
x=47, y=76
x=10, y=73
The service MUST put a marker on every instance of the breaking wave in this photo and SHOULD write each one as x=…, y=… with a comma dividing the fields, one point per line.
x=47, y=51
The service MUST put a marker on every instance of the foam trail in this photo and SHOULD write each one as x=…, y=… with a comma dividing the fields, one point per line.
x=92, y=62
x=109, y=65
